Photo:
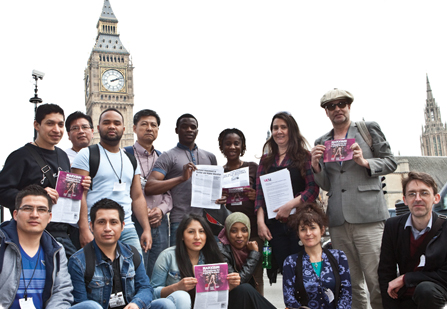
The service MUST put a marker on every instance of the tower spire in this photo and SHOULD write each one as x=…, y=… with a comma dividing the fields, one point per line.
x=108, y=38
x=429, y=93
x=107, y=13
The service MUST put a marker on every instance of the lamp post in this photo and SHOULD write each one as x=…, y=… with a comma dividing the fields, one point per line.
x=36, y=100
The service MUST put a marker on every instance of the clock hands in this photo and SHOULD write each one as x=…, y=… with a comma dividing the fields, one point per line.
x=118, y=78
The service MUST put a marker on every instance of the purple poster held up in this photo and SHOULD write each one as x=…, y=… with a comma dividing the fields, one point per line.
x=211, y=277
x=69, y=185
x=338, y=150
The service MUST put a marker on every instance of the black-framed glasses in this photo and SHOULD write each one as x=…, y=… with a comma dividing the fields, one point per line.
x=331, y=106
x=83, y=127
x=30, y=209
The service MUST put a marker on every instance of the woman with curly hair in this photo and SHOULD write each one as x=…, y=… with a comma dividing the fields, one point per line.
x=316, y=278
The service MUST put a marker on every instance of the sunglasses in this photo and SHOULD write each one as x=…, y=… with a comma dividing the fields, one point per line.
x=332, y=106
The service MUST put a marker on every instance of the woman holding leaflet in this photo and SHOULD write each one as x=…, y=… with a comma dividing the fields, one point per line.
x=286, y=148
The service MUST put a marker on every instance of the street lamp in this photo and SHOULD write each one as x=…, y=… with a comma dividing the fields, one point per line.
x=36, y=100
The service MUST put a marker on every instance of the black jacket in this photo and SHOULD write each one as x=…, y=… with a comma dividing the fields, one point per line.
x=396, y=251
x=248, y=268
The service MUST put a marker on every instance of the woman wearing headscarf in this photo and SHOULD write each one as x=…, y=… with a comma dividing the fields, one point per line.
x=241, y=254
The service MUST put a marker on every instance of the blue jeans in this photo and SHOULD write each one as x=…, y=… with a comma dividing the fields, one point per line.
x=160, y=241
x=180, y=299
x=66, y=242
x=162, y=303
x=174, y=227
x=130, y=237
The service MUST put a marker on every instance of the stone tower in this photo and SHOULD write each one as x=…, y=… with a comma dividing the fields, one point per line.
x=434, y=134
x=108, y=78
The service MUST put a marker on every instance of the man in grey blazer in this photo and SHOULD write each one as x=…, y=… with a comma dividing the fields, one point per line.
x=357, y=208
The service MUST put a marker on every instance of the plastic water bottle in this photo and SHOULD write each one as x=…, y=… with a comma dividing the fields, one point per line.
x=267, y=255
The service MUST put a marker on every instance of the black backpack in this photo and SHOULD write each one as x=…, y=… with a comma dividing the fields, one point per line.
x=94, y=158
x=90, y=262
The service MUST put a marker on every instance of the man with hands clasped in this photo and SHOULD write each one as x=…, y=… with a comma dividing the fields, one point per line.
x=416, y=243
x=357, y=208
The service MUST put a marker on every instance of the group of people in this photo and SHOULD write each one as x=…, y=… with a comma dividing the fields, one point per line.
x=141, y=238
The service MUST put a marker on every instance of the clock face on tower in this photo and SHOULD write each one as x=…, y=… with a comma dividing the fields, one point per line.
x=113, y=80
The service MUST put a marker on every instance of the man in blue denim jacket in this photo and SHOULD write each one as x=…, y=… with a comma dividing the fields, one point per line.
x=116, y=283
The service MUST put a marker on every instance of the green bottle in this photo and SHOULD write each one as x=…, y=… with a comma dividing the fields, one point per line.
x=267, y=255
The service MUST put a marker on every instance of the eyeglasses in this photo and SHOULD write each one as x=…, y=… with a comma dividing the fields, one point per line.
x=30, y=209
x=332, y=106
x=412, y=195
x=84, y=128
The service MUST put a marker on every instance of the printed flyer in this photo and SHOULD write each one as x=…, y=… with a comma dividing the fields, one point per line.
x=212, y=286
x=236, y=195
x=70, y=191
x=338, y=150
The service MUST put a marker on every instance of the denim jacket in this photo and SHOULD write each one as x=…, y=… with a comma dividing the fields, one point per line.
x=166, y=270
x=135, y=282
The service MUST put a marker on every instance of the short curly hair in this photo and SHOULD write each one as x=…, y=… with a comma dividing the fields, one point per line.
x=306, y=215
x=224, y=134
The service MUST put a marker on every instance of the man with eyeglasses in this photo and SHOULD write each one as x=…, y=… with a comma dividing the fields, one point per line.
x=33, y=266
x=357, y=209
x=416, y=243
x=80, y=132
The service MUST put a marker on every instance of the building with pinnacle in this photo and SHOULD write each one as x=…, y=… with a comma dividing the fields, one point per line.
x=434, y=133
x=108, y=77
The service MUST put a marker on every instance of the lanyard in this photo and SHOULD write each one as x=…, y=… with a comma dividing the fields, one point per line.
x=149, y=169
x=121, y=173
x=23, y=275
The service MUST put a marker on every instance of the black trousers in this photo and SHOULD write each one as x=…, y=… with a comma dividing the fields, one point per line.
x=427, y=295
x=245, y=296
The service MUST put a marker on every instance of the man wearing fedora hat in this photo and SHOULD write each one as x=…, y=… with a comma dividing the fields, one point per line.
x=357, y=209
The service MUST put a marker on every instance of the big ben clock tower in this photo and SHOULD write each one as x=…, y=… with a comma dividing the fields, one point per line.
x=109, y=75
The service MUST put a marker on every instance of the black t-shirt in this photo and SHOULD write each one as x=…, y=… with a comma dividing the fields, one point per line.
x=116, y=286
x=21, y=170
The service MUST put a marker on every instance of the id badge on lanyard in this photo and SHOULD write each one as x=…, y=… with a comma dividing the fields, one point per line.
x=116, y=300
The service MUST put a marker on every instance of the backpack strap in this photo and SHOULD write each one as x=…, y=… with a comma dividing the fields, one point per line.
x=95, y=156
x=90, y=263
x=129, y=149
x=93, y=161
x=300, y=292
x=2, y=252
x=364, y=132
x=136, y=258
x=44, y=167
x=158, y=152
x=133, y=160
x=336, y=272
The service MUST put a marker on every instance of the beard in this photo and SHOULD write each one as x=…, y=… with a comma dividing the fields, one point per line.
x=114, y=140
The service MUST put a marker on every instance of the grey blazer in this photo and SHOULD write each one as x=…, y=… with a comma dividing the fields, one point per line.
x=355, y=193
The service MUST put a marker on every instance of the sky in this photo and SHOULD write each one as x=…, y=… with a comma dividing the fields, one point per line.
x=234, y=63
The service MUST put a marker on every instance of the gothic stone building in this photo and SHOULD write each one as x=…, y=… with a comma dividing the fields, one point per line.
x=434, y=135
x=109, y=75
